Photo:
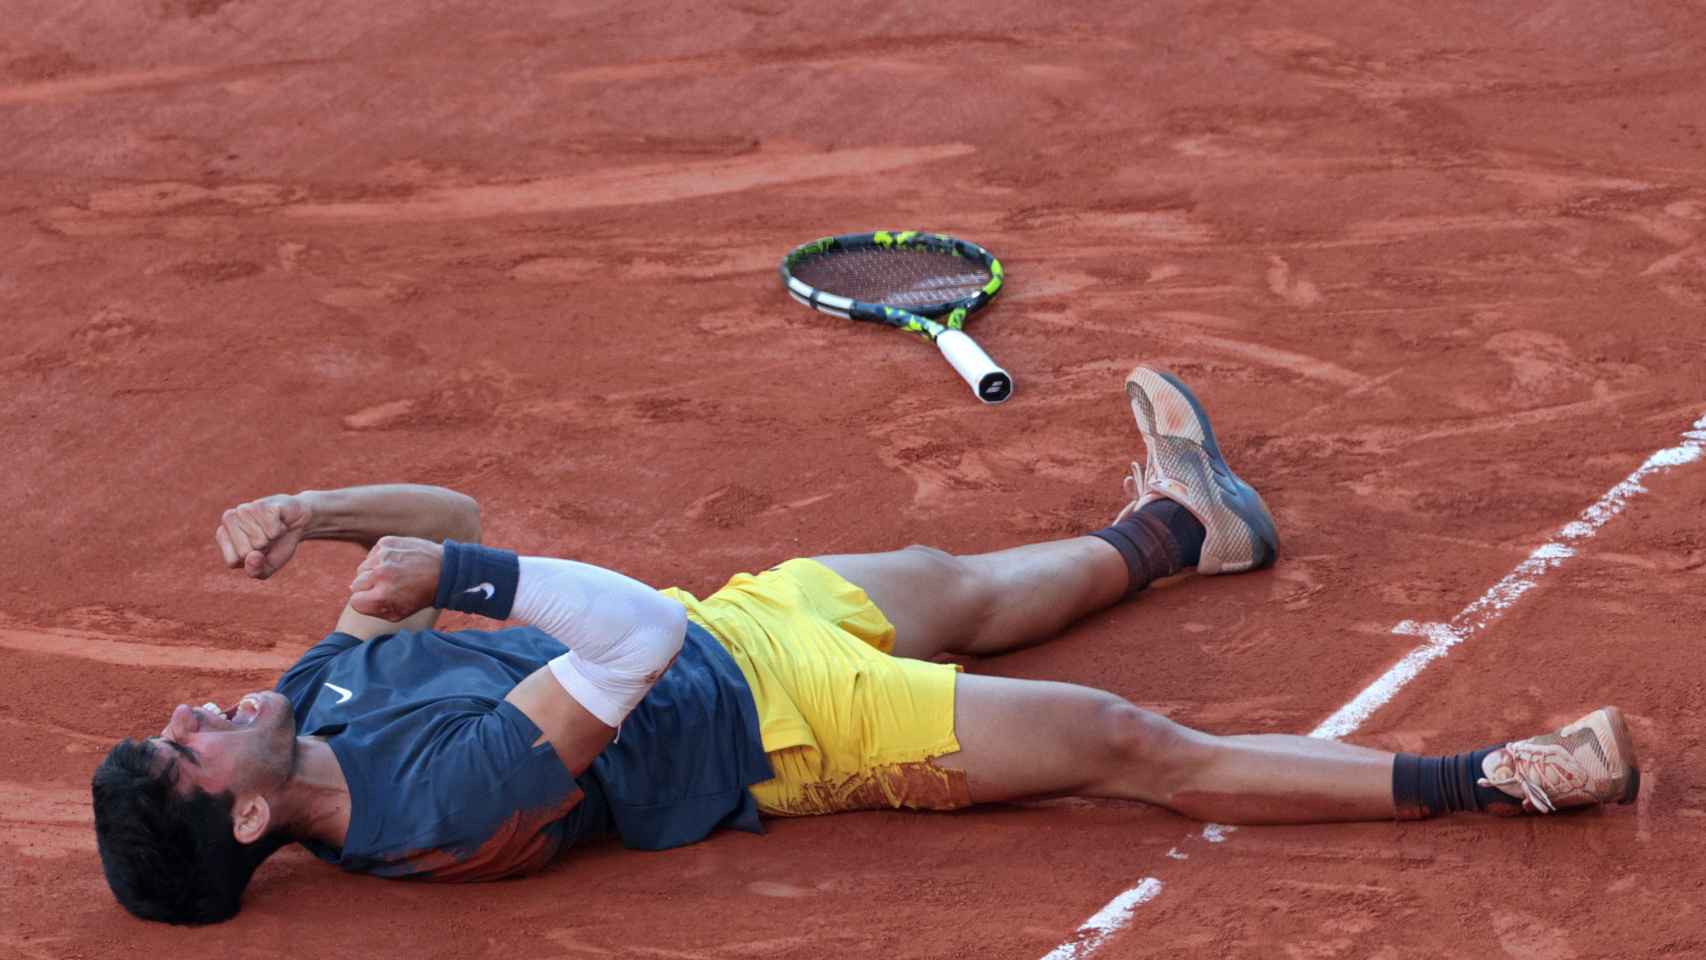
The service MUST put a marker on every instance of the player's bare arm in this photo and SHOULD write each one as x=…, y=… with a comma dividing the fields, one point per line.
x=260, y=536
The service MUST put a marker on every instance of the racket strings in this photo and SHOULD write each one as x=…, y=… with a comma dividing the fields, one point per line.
x=908, y=279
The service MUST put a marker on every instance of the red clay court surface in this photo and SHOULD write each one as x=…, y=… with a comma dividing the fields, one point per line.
x=1438, y=271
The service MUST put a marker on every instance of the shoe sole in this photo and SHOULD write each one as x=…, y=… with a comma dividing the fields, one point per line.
x=1158, y=397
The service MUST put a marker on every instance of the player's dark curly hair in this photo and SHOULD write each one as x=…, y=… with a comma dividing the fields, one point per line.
x=170, y=856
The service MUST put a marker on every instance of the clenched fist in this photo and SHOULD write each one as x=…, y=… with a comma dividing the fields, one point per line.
x=399, y=577
x=260, y=536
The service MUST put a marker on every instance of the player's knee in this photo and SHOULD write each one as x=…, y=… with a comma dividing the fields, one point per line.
x=1146, y=748
x=1130, y=734
x=961, y=587
x=960, y=584
x=941, y=570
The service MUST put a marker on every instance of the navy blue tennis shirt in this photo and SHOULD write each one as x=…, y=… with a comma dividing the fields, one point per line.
x=448, y=781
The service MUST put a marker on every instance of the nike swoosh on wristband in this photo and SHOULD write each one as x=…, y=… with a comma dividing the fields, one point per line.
x=343, y=695
x=484, y=588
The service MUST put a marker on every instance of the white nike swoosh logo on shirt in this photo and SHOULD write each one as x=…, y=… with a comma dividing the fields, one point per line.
x=343, y=695
x=484, y=588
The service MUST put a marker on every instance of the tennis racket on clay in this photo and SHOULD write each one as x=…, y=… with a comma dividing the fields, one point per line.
x=924, y=283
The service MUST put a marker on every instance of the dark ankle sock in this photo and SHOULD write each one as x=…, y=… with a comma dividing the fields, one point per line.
x=1156, y=541
x=1186, y=529
x=1425, y=787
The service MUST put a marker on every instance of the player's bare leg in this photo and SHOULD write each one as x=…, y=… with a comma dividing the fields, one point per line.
x=986, y=603
x=1187, y=509
x=1025, y=739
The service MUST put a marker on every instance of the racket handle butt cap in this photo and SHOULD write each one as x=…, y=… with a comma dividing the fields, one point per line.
x=988, y=382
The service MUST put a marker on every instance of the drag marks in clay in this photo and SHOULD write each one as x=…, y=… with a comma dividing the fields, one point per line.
x=627, y=186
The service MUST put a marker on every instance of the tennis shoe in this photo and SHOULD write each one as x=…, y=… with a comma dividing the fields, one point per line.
x=1183, y=463
x=1587, y=762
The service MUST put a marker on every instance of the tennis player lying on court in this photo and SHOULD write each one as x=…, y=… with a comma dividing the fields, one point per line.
x=394, y=749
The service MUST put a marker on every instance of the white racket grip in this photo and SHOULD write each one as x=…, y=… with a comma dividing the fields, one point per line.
x=991, y=383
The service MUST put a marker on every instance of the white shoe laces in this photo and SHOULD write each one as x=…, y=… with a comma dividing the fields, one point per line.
x=1141, y=488
x=1537, y=797
x=1536, y=767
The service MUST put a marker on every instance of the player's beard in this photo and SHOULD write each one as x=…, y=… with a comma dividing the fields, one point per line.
x=275, y=755
x=288, y=747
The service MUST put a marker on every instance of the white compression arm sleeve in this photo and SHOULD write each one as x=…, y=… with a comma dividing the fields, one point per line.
x=621, y=634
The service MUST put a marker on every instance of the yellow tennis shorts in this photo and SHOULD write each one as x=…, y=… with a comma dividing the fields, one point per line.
x=846, y=725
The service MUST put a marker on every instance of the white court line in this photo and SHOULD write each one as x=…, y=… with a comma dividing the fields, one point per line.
x=1107, y=921
x=1441, y=637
